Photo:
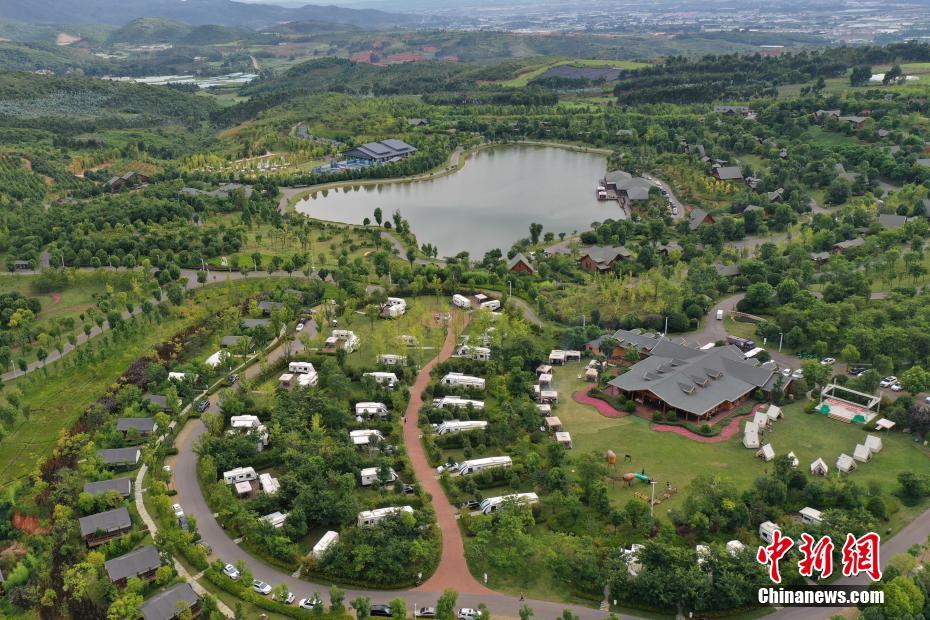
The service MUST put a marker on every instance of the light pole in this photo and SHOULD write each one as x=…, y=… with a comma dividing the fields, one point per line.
x=653, y=501
x=509, y=288
x=781, y=336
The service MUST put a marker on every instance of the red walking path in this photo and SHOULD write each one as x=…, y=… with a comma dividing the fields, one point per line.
x=452, y=571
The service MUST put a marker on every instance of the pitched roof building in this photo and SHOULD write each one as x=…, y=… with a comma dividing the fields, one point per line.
x=164, y=606
x=123, y=486
x=520, y=264
x=98, y=528
x=381, y=152
x=727, y=173
x=602, y=258
x=120, y=456
x=139, y=563
x=698, y=218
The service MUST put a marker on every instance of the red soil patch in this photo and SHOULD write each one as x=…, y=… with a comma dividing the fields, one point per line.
x=28, y=524
x=603, y=407
x=728, y=431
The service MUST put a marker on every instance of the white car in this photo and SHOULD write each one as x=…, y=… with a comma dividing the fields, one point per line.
x=299, y=327
x=897, y=387
x=231, y=571
x=468, y=613
x=449, y=468
x=786, y=372
x=797, y=374
x=288, y=599
x=309, y=603
x=261, y=587
x=178, y=511
x=888, y=381
x=827, y=361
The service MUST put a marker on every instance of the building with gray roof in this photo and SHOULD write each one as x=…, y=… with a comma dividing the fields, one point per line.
x=123, y=486
x=381, y=152
x=602, y=257
x=164, y=606
x=98, y=528
x=627, y=186
x=253, y=323
x=144, y=426
x=718, y=379
x=140, y=563
x=120, y=457
x=891, y=220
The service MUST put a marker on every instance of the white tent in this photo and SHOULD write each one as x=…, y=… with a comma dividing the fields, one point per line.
x=845, y=463
x=819, y=468
x=884, y=424
x=760, y=419
x=794, y=460
x=873, y=443
x=767, y=453
x=734, y=547
x=862, y=454
x=751, y=436
x=774, y=412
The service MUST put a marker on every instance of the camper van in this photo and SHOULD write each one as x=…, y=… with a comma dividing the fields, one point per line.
x=384, y=379
x=492, y=504
x=482, y=354
x=370, y=475
x=389, y=359
x=367, y=518
x=365, y=437
x=459, y=426
x=301, y=368
x=720, y=314
x=461, y=301
x=491, y=304
x=394, y=307
x=239, y=474
x=463, y=380
x=766, y=531
x=476, y=465
x=371, y=410
x=457, y=402
x=328, y=540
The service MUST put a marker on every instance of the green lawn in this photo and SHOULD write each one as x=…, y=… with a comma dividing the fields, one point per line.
x=669, y=457
x=57, y=400
x=524, y=78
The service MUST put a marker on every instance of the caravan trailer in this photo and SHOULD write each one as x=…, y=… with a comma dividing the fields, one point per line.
x=364, y=437
x=459, y=426
x=492, y=305
x=367, y=518
x=301, y=368
x=461, y=301
x=389, y=359
x=371, y=410
x=463, y=380
x=491, y=462
x=328, y=540
x=370, y=475
x=239, y=474
x=457, y=402
x=394, y=307
x=384, y=379
x=491, y=504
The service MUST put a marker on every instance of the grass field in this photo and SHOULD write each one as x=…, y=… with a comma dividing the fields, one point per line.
x=670, y=457
x=57, y=400
x=524, y=78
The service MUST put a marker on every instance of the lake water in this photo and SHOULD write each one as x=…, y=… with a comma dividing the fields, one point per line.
x=489, y=203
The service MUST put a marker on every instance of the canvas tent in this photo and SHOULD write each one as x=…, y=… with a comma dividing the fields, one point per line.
x=751, y=435
x=862, y=454
x=760, y=419
x=773, y=413
x=873, y=443
x=819, y=468
x=845, y=463
x=794, y=459
x=767, y=453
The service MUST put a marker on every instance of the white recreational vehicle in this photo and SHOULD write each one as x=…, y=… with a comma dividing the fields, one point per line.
x=461, y=301
x=766, y=530
x=476, y=465
x=463, y=380
x=371, y=410
x=328, y=540
x=389, y=359
x=239, y=474
x=275, y=519
x=343, y=339
x=365, y=437
x=268, y=483
x=457, y=402
x=394, y=307
x=491, y=304
x=250, y=424
x=301, y=368
x=482, y=354
x=492, y=504
x=459, y=426
x=367, y=518
x=384, y=379
x=370, y=475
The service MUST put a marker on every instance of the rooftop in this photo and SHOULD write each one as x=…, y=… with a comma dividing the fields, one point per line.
x=107, y=521
x=133, y=563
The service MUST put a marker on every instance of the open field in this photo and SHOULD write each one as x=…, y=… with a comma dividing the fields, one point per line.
x=524, y=78
x=670, y=457
x=58, y=400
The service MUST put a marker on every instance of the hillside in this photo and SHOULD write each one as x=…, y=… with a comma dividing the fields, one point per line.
x=147, y=30
x=193, y=12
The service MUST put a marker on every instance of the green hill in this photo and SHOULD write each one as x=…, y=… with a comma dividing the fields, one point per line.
x=146, y=30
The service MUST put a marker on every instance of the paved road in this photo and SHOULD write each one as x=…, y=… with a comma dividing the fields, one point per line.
x=672, y=198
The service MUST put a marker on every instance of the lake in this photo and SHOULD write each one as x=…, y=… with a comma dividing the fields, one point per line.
x=489, y=203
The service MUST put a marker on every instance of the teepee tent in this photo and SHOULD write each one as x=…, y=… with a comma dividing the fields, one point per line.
x=774, y=412
x=767, y=453
x=845, y=463
x=862, y=454
x=819, y=468
x=873, y=443
x=760, y=419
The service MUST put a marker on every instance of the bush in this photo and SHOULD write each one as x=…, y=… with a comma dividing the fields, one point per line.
x=656, y=416
x=706, y=429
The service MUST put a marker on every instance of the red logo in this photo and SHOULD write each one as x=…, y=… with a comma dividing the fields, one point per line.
x=817, y=556
x=861, y=555
x=773, y=553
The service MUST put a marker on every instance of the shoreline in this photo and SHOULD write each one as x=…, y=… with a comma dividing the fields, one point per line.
x=457, y=160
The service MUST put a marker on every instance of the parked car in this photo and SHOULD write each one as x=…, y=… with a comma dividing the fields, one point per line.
x=409, y=488
x=231, y=571
x=888, y=381
x=309, y=603
x=857, y=370
x=786, y=372
x=300, y=325
x=468, y=613
x=897, y=387
x=828, y=361
x=231, y=379
x=797, y=374
x=447, y=467
x=204, y=545
x=383, y=611
x=471, y=504
x=203, y=405
x=425, y=612
x=261, y=587
x=287, y=599
x=178, y=511
x=183, y=524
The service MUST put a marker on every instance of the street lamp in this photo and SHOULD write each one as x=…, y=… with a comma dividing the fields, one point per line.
x=653, y=501
x=781, y=337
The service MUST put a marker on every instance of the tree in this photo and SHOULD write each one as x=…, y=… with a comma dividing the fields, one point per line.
x=379, y=215
x=815, y=373
x=362, y=605
x=126, y=607
x=398, y=609
x=893, y=75
x=759, y=296
x=336, y=598
x=535, y=230
x=860, y=75
x=850, y=354
x=445, y=606
x=915, y=379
